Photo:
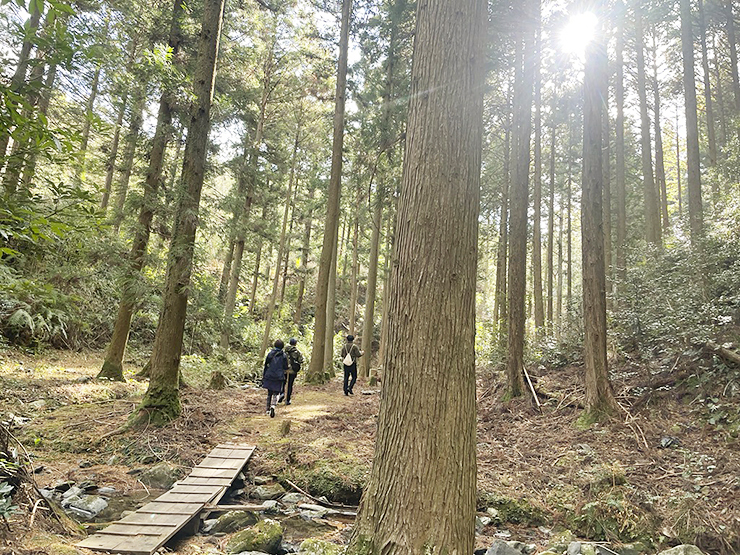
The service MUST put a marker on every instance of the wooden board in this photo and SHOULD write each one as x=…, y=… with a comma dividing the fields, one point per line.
x=151, y=526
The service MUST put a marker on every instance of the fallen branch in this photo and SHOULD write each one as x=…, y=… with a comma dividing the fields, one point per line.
x=319, y=501
x=727, y=354
x=216, y=507
x=531, y=388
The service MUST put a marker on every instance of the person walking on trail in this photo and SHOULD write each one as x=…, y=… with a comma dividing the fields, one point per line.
x=295, y=361
x=273, y=375
x=350, y=354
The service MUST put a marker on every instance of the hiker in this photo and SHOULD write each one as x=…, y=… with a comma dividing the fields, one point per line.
x=295, y=361
x=273, y=375
x=350, y=353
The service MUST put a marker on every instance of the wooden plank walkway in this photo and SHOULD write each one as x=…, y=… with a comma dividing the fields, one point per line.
x=151, y=526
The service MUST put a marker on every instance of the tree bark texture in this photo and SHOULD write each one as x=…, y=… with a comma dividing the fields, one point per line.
x=660, y=179
x=129, y=152
x=516, y=279
x=599, y=395
x=619, y=154
x=423, y=475
x=327, y=265
x=110, y=163
x=696, y=218
x=539, y=309
x=650, y=197
x=113, y=364
x=161, y=401
x=708, y=101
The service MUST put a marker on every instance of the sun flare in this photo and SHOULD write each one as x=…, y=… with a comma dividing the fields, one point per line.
x=578, y=32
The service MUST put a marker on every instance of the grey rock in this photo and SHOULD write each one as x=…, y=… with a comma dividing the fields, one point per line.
x=263, y=480
x=46, y=493
x=481, y=522
x=74, y=491
x=271, y=491
x=313, y=546
x=160, y=476
x=500, y=547
x=588, y=549
x=107, y=490
x=63, y=485
x=37, y=404
x=86, y=506
x=293, y=499
x=526, y=548
x=686, y=549
x=271, y=506
x=632, y=549
x=669, y=441
x=574, y=548
x=208, y=525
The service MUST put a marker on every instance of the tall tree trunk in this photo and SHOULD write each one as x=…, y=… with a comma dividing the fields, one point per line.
x=29, y=171
x=129, y=152
x=619, y=155
x=256, y=278
x=720, y=96
x=385, y=301
x=355, y=270
x=551, y=225
x=599, y=395
x=607, y=190
x=89, y=107
x=708, y=102
x=368, y=326
x=400, y=513
x=539, y=309
x=245, y=192
x=730, y=30
x=693, y=185
x=559, y=306
x=110, y=163
x=652, y=216
x=517, y=271
x=161, y=401
x=315, y=372
x=331, y=309
x=246, y=186
x=304, y=259
x=569, y=235
x=678, y=166
x=21, y=69
x=499, y=307
x=272, y=308
x=113, y=363
x=659, y=163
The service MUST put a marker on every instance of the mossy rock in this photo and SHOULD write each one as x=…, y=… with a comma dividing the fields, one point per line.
x=264, y=536
x=339, y=482
x=313, y=546
x=508, y=510
x=234, y=521
x=560, y=541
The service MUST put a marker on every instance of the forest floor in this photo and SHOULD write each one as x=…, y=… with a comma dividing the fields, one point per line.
x=667, y=469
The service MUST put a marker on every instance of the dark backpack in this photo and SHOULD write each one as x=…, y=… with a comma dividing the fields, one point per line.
x=294, y=364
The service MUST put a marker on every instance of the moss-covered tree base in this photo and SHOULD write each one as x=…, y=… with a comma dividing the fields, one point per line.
x=159, y=407
x=111, y=371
